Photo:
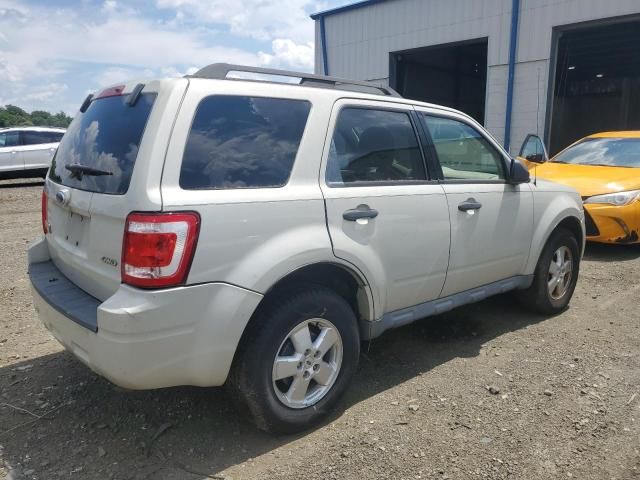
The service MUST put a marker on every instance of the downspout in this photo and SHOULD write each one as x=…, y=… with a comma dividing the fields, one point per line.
x=513, y=43
x=323, y=46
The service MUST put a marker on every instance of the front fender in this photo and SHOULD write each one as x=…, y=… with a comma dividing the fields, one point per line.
x=550, y=209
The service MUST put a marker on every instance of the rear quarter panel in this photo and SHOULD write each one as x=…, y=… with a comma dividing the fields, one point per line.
x=253, y=237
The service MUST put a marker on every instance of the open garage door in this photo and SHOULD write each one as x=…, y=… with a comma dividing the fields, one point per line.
x=454, y=75
x=597, y=82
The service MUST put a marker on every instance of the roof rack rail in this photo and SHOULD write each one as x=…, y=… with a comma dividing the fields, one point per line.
x=221, y=71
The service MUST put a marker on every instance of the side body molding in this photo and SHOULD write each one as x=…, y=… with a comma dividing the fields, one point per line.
x=435, y=307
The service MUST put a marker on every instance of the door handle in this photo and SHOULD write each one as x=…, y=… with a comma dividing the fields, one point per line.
x=362, y=211
x=470, y=204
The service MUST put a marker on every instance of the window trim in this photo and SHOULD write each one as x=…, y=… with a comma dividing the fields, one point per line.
x=505, y=166
x=270, y=187
x=410, y=112
x=428, y=146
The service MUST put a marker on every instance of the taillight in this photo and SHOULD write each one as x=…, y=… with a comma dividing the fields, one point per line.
x=158, y=248
x=45, y=219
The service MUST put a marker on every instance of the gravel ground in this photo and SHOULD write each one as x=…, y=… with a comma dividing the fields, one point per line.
x=485, y=391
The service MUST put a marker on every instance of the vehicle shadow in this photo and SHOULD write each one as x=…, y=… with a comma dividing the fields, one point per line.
x=599, y=252
x=103, y=431
x=21, y=183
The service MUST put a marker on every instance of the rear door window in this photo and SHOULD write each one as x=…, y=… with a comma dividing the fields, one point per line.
x=371, y=145
x=243, y=142
x=30, y=137
x=106, y=139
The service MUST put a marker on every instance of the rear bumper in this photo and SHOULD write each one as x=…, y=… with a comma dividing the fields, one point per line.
x=614, y=224
x=143, y=338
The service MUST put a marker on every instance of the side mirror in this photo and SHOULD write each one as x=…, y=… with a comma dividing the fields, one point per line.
x=518, y=173
x=536, y=158
x=533, y=149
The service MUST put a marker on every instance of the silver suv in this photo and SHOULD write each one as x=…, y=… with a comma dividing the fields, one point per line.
x=228, y=227
x=27, y=151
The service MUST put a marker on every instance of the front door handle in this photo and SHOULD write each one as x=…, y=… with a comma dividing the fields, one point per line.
x=469, y=204
x=362, y=211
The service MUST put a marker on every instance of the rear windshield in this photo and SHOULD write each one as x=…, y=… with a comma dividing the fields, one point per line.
x=99, y=150
x=243, y=142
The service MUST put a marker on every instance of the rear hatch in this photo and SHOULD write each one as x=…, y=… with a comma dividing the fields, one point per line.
x=108, y=164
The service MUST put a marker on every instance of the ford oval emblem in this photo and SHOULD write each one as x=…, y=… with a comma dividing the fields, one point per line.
x=62, y=197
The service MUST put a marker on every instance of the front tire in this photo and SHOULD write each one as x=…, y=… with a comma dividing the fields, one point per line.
x=297, y=359
x=555, y=276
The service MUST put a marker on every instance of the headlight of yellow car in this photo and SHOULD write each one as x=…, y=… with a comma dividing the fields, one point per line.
x=618, y=199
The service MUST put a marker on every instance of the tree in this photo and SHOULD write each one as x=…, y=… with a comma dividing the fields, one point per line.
x=12, y=116
x=61, y=119
x=40, y=117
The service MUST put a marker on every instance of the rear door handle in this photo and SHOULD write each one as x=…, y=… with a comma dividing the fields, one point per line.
x=469, y=204
x=362, y=211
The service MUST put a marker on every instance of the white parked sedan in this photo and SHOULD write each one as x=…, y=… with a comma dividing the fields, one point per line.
x=27, y=151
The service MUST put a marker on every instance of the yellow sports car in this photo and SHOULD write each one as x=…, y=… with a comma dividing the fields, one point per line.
x=605, y=169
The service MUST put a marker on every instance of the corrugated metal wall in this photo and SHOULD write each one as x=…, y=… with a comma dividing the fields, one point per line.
x=359, y=42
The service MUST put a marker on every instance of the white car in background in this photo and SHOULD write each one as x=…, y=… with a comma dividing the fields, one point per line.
x=27, y=151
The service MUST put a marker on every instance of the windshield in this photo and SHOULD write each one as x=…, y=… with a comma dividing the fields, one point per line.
x=614, y=152
x=99, y=150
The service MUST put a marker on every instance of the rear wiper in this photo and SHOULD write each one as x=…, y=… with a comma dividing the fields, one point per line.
x=77, y=170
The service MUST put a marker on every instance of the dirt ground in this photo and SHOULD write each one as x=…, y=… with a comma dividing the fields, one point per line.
x=567, y=402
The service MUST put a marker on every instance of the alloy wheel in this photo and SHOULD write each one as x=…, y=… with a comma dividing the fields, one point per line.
x=307, y=363
x=560, y=272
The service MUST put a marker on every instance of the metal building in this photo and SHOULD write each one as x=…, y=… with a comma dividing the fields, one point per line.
x=560, y=68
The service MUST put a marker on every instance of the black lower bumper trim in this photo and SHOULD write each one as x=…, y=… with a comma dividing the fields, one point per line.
x=63, y=295
x=590, y=225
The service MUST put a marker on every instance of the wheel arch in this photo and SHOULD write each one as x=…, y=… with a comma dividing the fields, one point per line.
x=569, y=219
x=574, y=225
x=345, y=281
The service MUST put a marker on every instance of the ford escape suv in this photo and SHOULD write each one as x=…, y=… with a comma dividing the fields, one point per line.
x=228, y=227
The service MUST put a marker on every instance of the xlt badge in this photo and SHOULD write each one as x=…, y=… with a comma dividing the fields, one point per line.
x=110, y=261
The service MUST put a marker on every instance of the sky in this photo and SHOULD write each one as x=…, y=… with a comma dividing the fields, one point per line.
x=54, y=52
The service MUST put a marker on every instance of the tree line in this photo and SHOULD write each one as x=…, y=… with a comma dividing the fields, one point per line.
x=12, y=116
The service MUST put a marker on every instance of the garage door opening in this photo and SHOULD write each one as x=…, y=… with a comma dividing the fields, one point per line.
x=454, y=75
x=597, y=82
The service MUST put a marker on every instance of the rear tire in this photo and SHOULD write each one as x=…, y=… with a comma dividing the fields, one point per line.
x=555, y=276
x=297, y=358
